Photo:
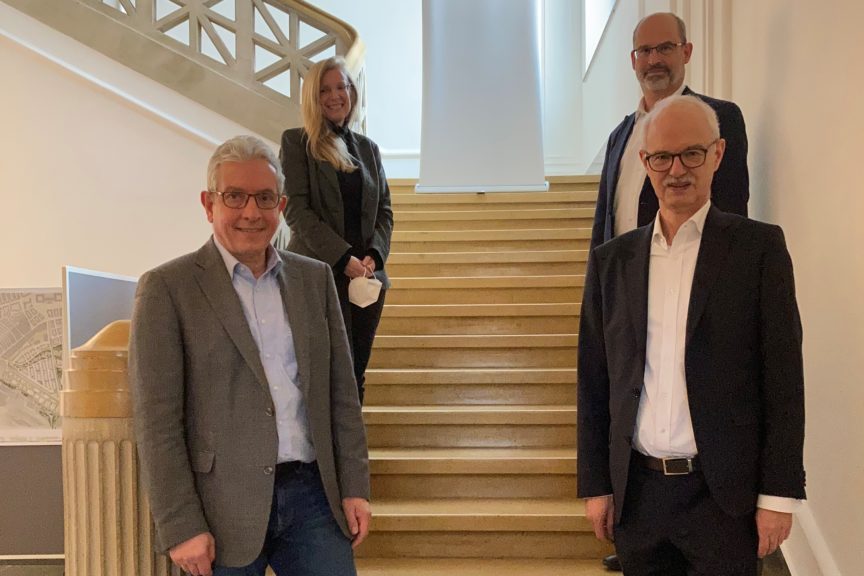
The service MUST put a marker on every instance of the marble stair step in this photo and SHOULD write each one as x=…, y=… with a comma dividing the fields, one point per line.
x=486, y=289
x=520, y=263
x=478, y=567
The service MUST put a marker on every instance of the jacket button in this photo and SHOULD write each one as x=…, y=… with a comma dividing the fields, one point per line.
x=268, y=470
x=637, y=392
x=269, y=411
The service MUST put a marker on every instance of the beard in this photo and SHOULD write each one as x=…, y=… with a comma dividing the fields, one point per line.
x=657, y=78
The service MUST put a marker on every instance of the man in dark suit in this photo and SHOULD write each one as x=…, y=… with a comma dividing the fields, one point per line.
x=691, y=394
x=248, y=423
x=626, y=199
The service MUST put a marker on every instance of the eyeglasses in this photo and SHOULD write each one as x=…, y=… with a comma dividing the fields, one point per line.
x=266, y=200
x=693, y=157
x=664, y=49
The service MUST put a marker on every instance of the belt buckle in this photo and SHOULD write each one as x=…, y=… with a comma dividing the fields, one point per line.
x=667, y=471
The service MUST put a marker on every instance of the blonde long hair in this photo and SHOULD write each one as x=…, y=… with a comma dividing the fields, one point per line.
x=324, y=144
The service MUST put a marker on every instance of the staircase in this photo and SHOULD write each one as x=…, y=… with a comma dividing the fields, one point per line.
x=471, y=391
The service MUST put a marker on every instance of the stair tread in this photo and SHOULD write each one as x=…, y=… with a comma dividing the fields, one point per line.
x=491, y=408
x=562, y=280
x=497, y=310
x=503, y=235
x=477, y=341
x=391, y=376
x=453, y=454
x=478, y=567
x=480, y=415
x=568, y=507
x=532, y=256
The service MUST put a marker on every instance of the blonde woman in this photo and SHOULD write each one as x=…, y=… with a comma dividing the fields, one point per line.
x=338, y=207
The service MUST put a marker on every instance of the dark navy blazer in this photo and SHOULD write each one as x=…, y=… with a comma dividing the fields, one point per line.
x=730, y=188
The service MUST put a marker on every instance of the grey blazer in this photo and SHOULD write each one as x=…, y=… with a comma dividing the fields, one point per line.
x=315, y=212
x=206, y=434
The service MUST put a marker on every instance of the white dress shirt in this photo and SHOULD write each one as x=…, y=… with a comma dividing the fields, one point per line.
x=261, y=299
x=631, y=175
x=663, y=424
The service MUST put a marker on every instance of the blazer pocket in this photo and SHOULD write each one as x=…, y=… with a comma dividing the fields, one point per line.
x=201, y=461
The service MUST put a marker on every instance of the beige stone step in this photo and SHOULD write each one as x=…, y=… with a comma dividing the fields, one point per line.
x=475, y=351
x=478, y=567
x=468, y=386
x=421, y=319
x=476, y=528
x=510, y=200
x=522, y=263
x=557, y=183
x=491, y=240
x=486, y=290
x=473, y=473
x=502, y=426
x=408, y=220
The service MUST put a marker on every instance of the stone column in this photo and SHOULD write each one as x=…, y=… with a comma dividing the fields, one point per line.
x=109, y=531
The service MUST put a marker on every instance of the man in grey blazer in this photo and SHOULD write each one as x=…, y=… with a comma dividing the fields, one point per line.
x=248, y=423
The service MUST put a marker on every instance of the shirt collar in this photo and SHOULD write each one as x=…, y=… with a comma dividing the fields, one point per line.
x=274, y=261
x=697, y=219
x=640, y=108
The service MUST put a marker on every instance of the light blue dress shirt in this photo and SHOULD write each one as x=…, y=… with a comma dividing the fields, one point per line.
x=265, y=314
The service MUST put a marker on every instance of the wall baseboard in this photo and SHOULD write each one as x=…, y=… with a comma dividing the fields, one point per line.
x=806, y=551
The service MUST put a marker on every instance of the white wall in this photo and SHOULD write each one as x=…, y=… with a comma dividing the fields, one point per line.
x=610, y=90
x=798, y=78
x=391, y=31
x=91, y=178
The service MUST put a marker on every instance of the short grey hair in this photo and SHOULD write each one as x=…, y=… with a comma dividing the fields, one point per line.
x=242, y=149
x=682, y=28
x=679, y=100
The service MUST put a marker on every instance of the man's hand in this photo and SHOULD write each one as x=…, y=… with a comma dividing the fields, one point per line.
x=357, y=513
x=600, y=511
x=773, y=528
x=195, y=555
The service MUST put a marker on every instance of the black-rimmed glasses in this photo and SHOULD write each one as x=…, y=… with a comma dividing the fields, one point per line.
x=664, y=49
x=266, y=200
x=692, y=157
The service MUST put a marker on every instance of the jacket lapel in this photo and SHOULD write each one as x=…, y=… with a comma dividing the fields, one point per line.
x=215, y=283
x=616, y=154
x=291, y=286
x=713, y=254
x=635, y=273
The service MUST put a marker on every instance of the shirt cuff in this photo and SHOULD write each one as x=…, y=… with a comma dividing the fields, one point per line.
x=778, y=503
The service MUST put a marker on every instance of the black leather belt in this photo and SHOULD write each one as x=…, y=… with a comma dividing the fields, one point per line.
x=668, y=466
x=293, y=466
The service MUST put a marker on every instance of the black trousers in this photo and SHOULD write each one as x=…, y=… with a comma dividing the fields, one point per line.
x=361, y=325
x=671, y=526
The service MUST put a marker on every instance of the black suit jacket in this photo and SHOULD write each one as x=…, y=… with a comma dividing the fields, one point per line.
x=743, y=363
x=730, y=189
x=315, y=212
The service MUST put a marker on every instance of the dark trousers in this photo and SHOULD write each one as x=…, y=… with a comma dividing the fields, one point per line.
x=361, y=325
x=671, y=526
x=303, y=538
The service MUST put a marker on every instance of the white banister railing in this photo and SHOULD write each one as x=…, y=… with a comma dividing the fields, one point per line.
x=265, y=46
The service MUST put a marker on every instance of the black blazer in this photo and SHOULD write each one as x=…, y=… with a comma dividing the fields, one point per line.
x=315, y=211
x=743, y=363
x=730, y=189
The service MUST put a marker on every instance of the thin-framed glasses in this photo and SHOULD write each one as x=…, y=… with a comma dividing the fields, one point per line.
x=266, y=200
x=692, y=157
x=664, y=49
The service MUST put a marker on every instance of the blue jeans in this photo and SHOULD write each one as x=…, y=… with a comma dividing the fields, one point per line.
x=303, y=538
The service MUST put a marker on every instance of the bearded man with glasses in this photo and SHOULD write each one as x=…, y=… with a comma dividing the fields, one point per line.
x=249, y=430
x=691, y=390
x=625, y=198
